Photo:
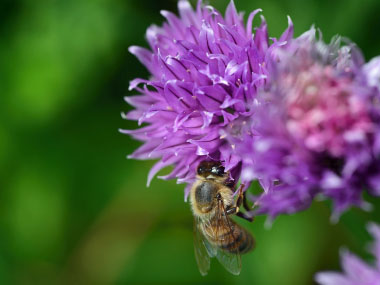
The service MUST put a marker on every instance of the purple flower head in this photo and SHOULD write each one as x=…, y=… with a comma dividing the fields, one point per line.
x=316, y=127
x=355, y=271
x=205, y=73
x=298, y=115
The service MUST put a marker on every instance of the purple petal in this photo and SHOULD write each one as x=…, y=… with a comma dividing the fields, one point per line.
x=211, y=97
x=175, y=24
x=178, y=96
x=187, y=13
x=250, y=20
x=233, y=18
x=207, y=144
x=355, y=268
x=207, y=40
x=288, y=34
x=158, y=166
x=143, y=55
x=374, y=230
x=233, y=35
x=261, y=36
x=332, y=278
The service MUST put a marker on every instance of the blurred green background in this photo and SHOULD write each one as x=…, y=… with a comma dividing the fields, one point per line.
x=73, y=210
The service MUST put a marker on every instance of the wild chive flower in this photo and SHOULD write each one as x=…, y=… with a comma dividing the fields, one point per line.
x=299, y=116
x=355, y=271
x=205, y=73
x=316, y=128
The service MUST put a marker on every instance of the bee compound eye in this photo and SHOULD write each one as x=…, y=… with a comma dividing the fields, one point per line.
x=201, y=169
x=220, y=170
x=218, y=196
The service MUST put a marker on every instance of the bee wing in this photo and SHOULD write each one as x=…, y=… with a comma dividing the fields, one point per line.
x=211, y=248
x=230, y=261
x=201, y=250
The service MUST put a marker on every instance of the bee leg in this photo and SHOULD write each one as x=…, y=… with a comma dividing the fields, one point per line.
x=245, y=203
x=240, y=197
x=245, y=216
x=241, y=200
x=235, y=209
x=232, y=210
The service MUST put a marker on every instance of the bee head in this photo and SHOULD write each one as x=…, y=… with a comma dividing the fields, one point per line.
x=211, y=170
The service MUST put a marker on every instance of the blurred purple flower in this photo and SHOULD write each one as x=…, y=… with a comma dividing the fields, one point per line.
x=205, y=73
x=355, y=271
x=317, y=128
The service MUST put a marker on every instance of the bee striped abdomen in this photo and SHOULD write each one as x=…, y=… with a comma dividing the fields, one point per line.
x=232, y=239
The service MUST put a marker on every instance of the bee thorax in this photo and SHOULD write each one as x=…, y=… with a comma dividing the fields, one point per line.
x=204, y=193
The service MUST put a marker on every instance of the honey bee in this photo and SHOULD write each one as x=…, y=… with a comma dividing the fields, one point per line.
x=215, y=233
